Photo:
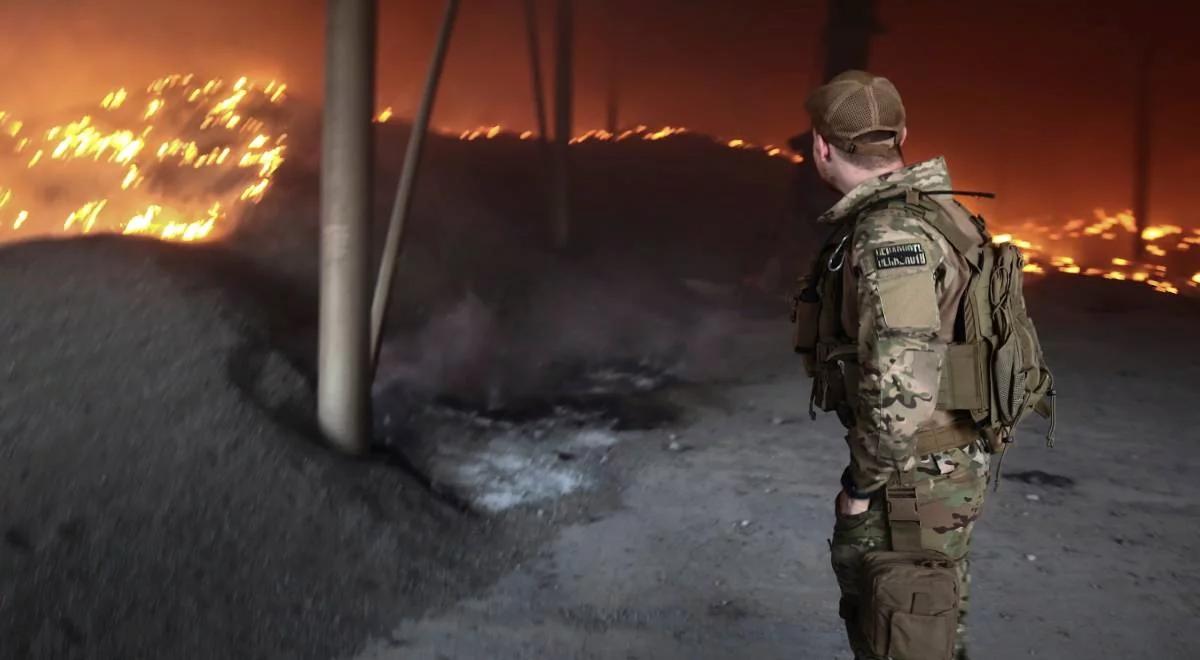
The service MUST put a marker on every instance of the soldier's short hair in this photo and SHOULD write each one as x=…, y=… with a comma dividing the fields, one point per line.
x=873, y=160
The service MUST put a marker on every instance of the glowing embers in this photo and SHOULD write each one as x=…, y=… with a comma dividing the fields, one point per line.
x=174, y=161
x=1169, y=243
x=165, y=225
x=640, y=132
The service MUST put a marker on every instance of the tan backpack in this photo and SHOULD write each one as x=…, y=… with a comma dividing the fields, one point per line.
x=996, y=369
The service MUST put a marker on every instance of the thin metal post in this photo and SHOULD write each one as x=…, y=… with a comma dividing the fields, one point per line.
x=848, y=32
x=1142, y=149
x=563, y=116
x=535, y=67
x=408, y=177
x=343, y=395
x=612, y=110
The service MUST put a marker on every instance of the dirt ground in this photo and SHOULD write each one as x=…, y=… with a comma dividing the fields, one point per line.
x=716, y=544
x=648, y=484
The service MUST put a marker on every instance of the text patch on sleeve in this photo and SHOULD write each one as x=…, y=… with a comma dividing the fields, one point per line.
x=900, y=256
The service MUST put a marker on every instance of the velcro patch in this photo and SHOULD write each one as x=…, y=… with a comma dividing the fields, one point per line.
x=899, y=256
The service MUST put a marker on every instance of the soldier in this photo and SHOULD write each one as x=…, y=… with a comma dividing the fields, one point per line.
x=885, y=299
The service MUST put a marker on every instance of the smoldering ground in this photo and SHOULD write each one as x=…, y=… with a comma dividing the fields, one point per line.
x=165, y=491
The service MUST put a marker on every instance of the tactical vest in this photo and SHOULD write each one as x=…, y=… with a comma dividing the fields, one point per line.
x=994, y=372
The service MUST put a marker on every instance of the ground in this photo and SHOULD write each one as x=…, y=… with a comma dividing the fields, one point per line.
x=600, y=454
x=717, y=545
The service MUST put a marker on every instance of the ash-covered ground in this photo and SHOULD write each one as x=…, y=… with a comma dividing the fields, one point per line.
x=597, y=453
x=718, y=549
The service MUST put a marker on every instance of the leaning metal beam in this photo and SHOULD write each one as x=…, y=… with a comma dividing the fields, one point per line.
x=564, y=110
x=535, y=69
x=408, y=177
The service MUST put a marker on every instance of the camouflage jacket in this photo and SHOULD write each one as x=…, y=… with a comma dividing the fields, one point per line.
x=901, y=294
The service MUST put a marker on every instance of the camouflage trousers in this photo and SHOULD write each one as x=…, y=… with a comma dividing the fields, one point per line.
x=950, y=489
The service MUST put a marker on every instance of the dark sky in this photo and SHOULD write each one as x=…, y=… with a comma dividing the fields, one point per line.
x=1031, y=99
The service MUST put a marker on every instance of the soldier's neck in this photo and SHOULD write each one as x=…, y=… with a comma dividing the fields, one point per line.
x=853, y=177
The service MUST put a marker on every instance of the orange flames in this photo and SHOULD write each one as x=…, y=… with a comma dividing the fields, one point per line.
x=1166, y=246
x=176, y=160
x=171, y=161
x=600, y=135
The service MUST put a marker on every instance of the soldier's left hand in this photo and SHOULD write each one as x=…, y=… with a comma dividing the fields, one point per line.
x=845, y=505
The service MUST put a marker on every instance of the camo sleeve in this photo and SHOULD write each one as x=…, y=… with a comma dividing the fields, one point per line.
x=895, y=259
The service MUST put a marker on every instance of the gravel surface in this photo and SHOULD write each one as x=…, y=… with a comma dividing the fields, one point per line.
x=161, y=493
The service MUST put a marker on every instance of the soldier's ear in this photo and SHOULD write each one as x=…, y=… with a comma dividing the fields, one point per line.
x=903, y=135
x=821, y=149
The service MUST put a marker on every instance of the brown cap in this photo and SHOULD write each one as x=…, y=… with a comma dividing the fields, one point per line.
x=854, y=104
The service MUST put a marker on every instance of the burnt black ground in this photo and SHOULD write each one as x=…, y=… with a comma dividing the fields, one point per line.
x=160, y=493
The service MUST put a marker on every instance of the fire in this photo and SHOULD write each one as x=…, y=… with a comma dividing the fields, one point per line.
x=641, y=132
x=174, y=161
x=1160, y=231
x=1165, y=242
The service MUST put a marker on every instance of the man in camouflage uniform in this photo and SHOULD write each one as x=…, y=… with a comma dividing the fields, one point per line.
x=900, y=289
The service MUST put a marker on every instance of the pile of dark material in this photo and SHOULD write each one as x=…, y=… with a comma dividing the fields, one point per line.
x=684, y=207
x=486, y=312
x=161, y=492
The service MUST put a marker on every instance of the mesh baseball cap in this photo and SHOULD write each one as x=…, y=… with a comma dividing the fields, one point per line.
x=854, y=104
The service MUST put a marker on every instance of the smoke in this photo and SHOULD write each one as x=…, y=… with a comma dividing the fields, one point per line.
x=574, y=334
x=486, y=313
x=59, y=54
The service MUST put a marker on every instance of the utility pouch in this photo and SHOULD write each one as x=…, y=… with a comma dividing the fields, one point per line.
x=806, y=311
x=910, y=607
x=910, y=595
x=829, y=386
x=835, y=383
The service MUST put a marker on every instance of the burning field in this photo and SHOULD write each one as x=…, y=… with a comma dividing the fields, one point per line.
x=175, y=160
x=185, y=157
x=1170, y=260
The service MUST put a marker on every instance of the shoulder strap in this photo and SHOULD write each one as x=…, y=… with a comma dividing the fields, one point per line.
x=940, y=218
x=920, y=204
x=964, y=193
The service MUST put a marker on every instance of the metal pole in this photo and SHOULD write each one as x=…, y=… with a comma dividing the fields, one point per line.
x=408, y=178
x=612, y=112
x=563, y=115
x=1141, y=158
x=535, y=67
x=612, y=119
x=343, y=403
x=851, y=24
